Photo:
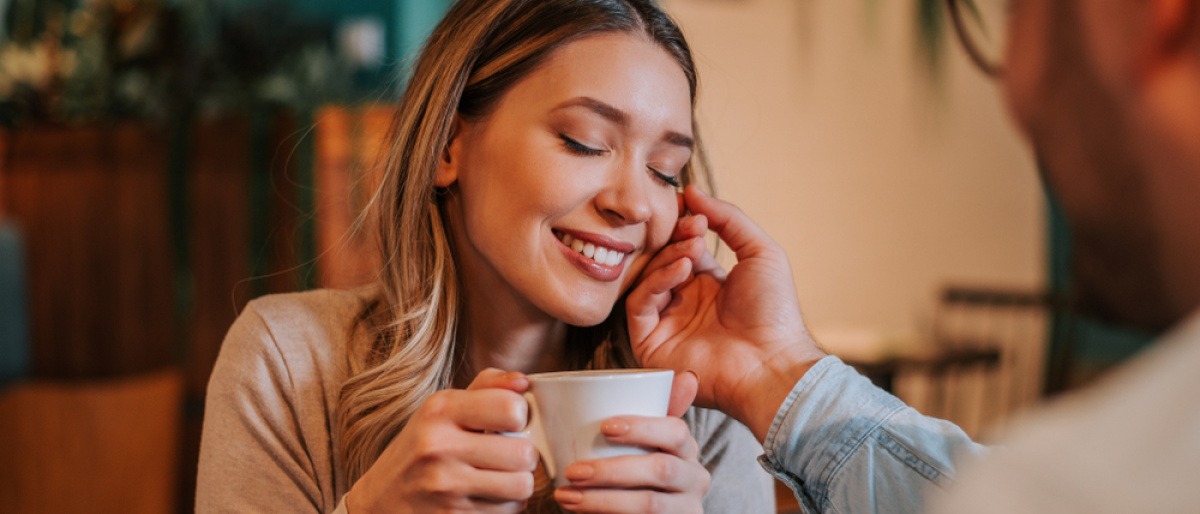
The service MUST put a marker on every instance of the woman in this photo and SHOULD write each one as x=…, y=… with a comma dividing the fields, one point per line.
x=536, y=159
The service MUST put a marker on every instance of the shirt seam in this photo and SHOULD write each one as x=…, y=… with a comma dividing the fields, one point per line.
x=291, y=385
x=844, y=458
x=821, y=369
x=918, y=463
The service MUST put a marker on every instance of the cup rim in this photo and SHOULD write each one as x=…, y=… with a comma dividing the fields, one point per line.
x=598, y=374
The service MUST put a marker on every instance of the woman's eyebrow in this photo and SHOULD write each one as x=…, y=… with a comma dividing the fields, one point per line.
x=621, y=118
x=606, y=111
x=678, y=139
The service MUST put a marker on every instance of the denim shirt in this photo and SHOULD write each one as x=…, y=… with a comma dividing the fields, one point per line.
x=844, y=445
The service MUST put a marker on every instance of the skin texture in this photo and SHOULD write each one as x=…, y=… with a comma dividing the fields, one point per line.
x=1108, y=93
x=513, y=180
x=1103, y=89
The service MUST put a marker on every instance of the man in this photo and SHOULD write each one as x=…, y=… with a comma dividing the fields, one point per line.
x=1108, y=93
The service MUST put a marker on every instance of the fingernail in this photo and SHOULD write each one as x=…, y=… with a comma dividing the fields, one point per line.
x=568, y=495
x=614, y=427
x=577, y=472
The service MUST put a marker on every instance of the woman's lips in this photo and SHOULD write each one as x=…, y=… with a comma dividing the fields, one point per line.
x=599, y=257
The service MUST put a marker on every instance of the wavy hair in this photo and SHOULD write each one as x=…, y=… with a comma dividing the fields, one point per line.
x=478, y=51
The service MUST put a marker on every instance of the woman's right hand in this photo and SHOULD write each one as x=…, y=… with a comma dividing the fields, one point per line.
x=448, y=457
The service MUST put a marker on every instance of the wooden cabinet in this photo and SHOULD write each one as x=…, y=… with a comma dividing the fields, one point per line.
x=93, y=207
x=144, y=243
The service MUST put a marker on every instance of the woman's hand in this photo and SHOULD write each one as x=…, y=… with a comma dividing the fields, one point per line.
x=670, y=479
x=448, y=458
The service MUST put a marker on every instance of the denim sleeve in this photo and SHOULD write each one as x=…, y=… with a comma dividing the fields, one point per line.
x=844, y=445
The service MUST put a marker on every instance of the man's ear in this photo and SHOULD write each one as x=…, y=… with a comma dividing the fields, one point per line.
x=1174, y=25
x=451, y=158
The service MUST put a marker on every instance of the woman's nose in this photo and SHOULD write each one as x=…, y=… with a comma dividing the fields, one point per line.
x=624, y=199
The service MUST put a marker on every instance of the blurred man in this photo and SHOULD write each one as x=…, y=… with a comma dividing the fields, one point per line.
x=1108, y=93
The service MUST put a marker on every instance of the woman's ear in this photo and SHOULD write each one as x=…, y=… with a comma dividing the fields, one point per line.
x=451, y=158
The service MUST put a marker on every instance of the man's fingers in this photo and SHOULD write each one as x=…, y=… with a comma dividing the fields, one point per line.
x=653, y=295
x=683, y=393
x=743, y=236
x=696, y=226
x=692, y=248
x=692, y=225
x=707, y=264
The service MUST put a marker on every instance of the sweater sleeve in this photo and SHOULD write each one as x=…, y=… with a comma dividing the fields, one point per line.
x=252, y=455
x=729, y=451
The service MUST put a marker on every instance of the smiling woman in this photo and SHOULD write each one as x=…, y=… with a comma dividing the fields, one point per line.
x=574, y=148
x=533, y=173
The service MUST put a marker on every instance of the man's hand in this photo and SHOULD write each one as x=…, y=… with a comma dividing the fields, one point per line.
x=742, y=334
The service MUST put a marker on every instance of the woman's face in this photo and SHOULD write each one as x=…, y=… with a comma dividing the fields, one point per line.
x=562, y=193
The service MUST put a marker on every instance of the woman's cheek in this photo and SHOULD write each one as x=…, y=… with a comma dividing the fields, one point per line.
x=661, y=225
x=634, y=270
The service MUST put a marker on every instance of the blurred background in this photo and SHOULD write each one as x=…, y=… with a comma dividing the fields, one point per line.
x=162, y=162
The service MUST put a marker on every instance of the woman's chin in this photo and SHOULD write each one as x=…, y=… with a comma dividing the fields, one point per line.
x=584, y=316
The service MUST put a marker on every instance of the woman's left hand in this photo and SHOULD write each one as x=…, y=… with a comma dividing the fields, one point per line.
x=669, y=479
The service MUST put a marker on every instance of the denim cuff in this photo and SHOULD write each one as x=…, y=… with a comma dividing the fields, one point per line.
x=828, y=414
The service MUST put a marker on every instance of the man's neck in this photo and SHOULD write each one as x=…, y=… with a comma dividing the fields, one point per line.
x=1170, y=115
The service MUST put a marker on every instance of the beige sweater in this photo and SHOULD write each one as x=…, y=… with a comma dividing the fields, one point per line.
x=270, y=426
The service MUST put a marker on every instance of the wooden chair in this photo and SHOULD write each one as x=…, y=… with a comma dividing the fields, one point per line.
x=109, y=446
x=991, y=354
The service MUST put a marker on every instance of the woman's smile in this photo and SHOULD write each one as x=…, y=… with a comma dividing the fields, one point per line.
x=599, y=257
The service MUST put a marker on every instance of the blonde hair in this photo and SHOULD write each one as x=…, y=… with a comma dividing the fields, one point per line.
x=478, y=51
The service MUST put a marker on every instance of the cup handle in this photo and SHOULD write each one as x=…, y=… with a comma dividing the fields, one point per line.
x=535, y=431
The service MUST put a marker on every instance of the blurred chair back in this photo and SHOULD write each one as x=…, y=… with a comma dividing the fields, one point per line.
x=87, y=447
x=14, y=330
x=993, y=343
x=14, y=323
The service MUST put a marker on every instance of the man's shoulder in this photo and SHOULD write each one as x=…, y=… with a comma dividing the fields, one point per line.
x=1130, y=443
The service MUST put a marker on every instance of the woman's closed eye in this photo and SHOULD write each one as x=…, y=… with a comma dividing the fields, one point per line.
x=670, y=180
x=578, y=148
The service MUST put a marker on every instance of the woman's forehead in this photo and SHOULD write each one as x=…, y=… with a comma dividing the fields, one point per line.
x=626, y=71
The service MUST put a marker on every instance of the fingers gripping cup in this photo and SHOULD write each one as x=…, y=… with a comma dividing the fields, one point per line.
x=566, y=409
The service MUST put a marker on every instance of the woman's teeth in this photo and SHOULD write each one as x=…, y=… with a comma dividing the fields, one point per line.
x=600, y=254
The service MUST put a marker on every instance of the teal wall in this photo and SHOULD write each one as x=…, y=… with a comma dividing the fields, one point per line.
x=408, y=22
x=1080, y=348
x=415, y=19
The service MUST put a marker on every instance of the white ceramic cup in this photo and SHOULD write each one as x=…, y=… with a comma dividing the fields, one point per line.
x=566, y=409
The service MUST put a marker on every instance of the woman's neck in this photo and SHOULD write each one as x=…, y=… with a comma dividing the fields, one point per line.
x=508, y=336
